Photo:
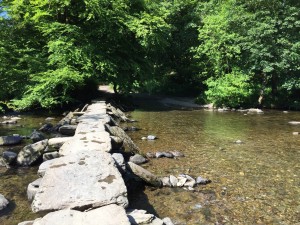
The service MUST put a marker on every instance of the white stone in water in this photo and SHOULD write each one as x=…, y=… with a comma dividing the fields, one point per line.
x=30, y=153
x=190, y=183
x=151, y=137
x=139, y=217
x=166, y=181
x=167, y=221
x=173, y=181
x=3, y=202
x=107, y=215
x=181, y=181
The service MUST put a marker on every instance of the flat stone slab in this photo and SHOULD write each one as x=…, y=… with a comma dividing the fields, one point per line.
x=91, y=127
x=107, y=215
x=98, y=141
x=80, y=181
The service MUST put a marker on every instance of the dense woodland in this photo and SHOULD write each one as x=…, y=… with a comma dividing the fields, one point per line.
x=235, y=53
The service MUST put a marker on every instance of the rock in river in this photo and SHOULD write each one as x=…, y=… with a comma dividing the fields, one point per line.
x=107, y=215
x=80, y=181
x=138, y=159
x=3, y=202
x=145, y=175
x=10, y=140
x=9, y=157
x=31, y=153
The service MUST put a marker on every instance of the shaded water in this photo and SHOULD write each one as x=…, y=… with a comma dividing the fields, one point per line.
x=257, y=182
x=14, y=181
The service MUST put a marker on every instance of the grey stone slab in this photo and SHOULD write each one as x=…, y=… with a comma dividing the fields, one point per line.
x=80, y=181
x=107, y=215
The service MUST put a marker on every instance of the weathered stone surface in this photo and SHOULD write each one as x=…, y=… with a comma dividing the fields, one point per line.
x=80, y=181
x=107, y=215
x=98, y=141
x=3, y=202
x=67, y=130
x=43, y=167
x=33, y=188
x=151, y=137
x=9, y=157
x=139, y=217
x=252, y=110
x=36, y=136
x=138, y=159
x=50, y=155
x=166, y=181
x=90, y=127
x=30, y=153
x=119, y=132
x=58, y=142
x=145, y=175
x=177, y=154
x=10, y=140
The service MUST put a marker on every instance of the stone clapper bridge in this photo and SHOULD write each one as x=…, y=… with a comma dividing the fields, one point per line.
x=84, y=185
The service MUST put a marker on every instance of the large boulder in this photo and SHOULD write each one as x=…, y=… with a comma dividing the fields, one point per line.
x=31, y=153
x=145, y=175
x=3, y=202
x=107, y=215
x=10, y=140
x=80, y=181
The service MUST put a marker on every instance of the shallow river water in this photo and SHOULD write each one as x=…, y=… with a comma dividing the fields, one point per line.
x=256, y=182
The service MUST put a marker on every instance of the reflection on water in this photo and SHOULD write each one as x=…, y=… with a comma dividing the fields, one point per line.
x=256, y=182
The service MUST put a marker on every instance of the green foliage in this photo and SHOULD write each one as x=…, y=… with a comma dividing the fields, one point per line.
x=53, y=52
x=231, y=90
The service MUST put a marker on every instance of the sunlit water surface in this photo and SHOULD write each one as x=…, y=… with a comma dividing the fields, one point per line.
x=256, y=182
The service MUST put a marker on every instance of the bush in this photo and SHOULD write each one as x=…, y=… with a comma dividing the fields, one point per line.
x=231, y=90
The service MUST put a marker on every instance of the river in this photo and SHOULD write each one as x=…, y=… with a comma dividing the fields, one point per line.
x=256, y=182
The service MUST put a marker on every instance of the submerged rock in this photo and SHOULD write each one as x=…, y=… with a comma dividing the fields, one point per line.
x=177, y=154
x=150, y=155
x=173, y=181
x=3, y=202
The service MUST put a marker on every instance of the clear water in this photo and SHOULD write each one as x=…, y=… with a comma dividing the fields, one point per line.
x=257, y=182
x=14, y=181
